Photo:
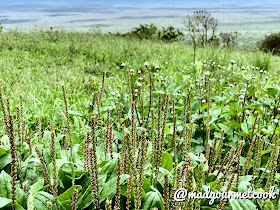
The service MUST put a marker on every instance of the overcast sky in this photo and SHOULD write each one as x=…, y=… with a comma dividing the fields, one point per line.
x=123, y=15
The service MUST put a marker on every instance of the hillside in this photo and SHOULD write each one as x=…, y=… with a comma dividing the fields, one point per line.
x=94, y=121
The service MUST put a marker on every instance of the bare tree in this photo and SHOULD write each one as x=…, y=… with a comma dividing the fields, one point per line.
x=191, y=23
x=2, y=19
x=229, y=39
x=206, y=26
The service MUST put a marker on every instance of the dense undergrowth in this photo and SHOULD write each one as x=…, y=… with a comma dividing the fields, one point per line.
x=92, y=121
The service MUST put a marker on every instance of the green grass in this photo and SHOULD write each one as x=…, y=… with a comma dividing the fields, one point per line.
x=36, y=65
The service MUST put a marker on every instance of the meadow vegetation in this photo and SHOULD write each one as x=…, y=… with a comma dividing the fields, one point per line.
x=101, y=121
x=271, y=43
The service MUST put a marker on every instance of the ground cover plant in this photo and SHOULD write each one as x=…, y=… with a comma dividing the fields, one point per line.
x=92, y=121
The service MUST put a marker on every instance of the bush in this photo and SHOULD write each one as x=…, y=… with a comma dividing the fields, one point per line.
x=271, y=43
x=145, y=31
x=153, y=33
x=202, y=26
x=170, y=34
x=229, y=39
x=214, y=41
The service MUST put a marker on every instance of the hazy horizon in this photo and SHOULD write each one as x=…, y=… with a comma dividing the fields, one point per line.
x=248, y=17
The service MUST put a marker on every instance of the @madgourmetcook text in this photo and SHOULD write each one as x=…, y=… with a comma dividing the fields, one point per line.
x=182, y=194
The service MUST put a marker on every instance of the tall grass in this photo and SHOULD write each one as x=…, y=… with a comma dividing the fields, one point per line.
x=97, y=121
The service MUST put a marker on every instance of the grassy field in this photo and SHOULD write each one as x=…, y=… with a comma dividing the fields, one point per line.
x=94, y=121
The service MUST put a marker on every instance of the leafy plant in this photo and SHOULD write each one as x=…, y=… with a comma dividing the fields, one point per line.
x=130, y=137
x=271, y=43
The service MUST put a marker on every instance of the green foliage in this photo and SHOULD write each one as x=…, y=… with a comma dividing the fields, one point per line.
x=109, y=188
x=5, y=202
x=145, y=31
x=153, y=199
x=37, y=186
x=239, y=204
x=271, y=43
x=5, y=185
x=170, y=34
x=151, y=32
x=41, y=199
x=262, y=61
x=42, y=61
x=5, y=192
x=167, y=161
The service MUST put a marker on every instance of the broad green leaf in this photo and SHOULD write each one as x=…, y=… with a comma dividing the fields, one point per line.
x=167, y=162
x=218, y=98
x=5, y=185
x=158, y=91
x=59, y=164
x=75, y=113
x=4, y=202
x=272, y=92
x=194, y=105
x=264, y=152
x=109, y=188
x=251, y=91
x=2, y=151
x=212, y=184
x=244, y=128
x=227, y=129
x=21, y=197
x=65, y=173
x=235, y=205
x=239, y=204
x=251, y=120
x=68, y=194
x=6, y=189
x=269, y=205
x=152, y=199
x=161, y=173
x=37, y=186
x=110, y=169
x=234, y=125
x=19, y=207
x=147, y=185
x=5, y=140
x=167, y=130
x=243, y=186
x=5, y=160
x=47, y=149
x=85, y=197
x=102, y=179
x=246, y=178
x=31, y=169
x=40, y=200
x=172, y=86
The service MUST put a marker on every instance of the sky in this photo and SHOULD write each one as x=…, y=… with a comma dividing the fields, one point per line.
x=110, y=16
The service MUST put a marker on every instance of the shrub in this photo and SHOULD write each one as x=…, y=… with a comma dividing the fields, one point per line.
x=153, y=33
x=170, y=34
x=271, y=43
x=145, y=31
x=203, y=25
x=214, y=41
x=229, y=39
